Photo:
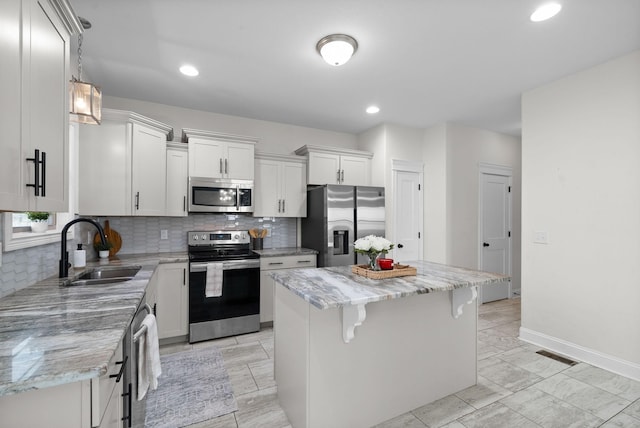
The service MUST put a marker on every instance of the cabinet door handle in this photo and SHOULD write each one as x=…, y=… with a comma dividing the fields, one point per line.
x=220, y=165
x=342, y=176
x=279, y=205
x=338, y=176
x=43, y=174
x=137, y=200
x=226, y=166
x=129, y=396
x=184, y=203
x=283, y=202
x=184, y=276
x=121, y=372
x=36, y=172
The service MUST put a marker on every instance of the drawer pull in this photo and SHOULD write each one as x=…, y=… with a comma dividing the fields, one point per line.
x=275, y=263
x=304, y=261
x=121, y=372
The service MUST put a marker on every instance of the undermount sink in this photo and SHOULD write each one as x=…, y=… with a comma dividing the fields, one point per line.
x=105, y=276
x=99, y=281
x=113, y=272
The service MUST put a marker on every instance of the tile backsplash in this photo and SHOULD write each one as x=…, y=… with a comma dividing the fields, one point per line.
x=21, y=268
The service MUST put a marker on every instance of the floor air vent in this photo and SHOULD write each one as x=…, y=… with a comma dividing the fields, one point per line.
x=557, y=358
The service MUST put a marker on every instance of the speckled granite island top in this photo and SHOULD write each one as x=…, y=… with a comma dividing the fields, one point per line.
x=337, y=286
x=52, y=335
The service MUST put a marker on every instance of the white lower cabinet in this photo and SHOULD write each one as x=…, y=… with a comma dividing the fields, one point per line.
x=95, y=403
x=172, y=299
x=269, y=264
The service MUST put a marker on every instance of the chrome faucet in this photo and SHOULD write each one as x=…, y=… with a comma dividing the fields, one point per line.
x=64, y=254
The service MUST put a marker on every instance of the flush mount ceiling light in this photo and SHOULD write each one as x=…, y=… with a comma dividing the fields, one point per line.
x=373, y=109
x=85, y=98
x=189, y=70
x=546, y=11
x=337, y=49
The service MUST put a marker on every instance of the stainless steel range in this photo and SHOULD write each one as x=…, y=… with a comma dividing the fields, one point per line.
x=224, y=285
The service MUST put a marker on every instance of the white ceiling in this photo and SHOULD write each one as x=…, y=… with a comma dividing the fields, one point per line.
x=422, y=61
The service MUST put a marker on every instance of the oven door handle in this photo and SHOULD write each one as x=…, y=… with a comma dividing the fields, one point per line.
x=227, y=265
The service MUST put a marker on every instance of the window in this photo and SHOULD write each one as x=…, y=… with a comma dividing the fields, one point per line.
x=21, y=223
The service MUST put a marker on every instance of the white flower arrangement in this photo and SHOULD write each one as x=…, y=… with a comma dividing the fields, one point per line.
x=372, y=245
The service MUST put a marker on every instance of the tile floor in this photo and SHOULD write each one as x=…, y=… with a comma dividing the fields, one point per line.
x=516, y=387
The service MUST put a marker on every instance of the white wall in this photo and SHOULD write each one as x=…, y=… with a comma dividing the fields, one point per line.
x=374, y=141
x=468, y=147
x=452, y=154
x=273, y=137
x=436, y=201
x=581, y=184
x=386, y=142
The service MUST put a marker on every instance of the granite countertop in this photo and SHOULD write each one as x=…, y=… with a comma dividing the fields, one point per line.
x=51, y=334
x=287, y=251
x=333, y=287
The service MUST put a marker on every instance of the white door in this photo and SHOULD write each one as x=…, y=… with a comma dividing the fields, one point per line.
x=495, y=212
x=407, y=213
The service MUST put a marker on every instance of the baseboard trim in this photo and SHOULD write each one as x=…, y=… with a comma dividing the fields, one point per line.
x=580, y=353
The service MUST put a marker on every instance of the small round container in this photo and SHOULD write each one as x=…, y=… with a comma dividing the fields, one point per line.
x=385, y=264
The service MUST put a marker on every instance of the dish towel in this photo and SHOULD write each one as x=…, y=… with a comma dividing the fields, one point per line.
x=213, y=286
x=148, y=357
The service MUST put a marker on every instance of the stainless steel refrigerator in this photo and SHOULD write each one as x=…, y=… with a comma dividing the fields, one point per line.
x=337, y=215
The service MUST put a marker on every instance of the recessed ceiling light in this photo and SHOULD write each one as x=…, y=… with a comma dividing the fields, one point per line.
x=373, y=109
x=546, y=11
x=189, y=70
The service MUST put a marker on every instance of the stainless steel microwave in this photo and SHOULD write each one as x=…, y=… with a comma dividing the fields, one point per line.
x=220, y=195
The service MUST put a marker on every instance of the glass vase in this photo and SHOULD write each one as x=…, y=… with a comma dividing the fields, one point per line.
x=373, y=261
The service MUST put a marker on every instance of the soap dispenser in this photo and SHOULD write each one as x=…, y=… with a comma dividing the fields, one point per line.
x=79, y=257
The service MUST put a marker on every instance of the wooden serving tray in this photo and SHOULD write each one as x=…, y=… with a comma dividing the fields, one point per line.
x=398, y=270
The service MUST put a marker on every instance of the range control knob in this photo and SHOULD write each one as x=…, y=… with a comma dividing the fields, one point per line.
x=236, y=237
x=194, y=237
x=204, y=237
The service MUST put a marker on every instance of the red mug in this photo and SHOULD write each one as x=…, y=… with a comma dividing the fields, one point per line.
x=385, y=264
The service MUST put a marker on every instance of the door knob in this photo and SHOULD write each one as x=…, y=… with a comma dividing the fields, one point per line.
x=400, y=246
x=485, y=244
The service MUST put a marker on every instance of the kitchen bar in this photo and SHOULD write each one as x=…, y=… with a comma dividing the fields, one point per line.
x=353, y=352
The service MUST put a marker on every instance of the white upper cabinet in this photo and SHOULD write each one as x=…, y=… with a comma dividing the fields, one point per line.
x=148, y=171
x=280, y=186
x=34, y=109
x=123, y=164
x=332, y=165
x=213, y=155
x=177, y=179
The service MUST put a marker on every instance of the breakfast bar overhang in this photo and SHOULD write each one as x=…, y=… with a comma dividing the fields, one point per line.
x=354, y=352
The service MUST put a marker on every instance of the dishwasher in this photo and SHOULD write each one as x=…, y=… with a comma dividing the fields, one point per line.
x=133, y=410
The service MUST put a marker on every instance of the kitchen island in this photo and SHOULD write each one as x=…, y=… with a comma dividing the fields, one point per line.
x=353, y=352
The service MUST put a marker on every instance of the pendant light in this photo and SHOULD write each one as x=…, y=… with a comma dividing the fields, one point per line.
x=85, y=98
x=337, y=49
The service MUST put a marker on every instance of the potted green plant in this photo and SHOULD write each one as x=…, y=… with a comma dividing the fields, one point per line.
x=39, y=221
x=103, y=249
